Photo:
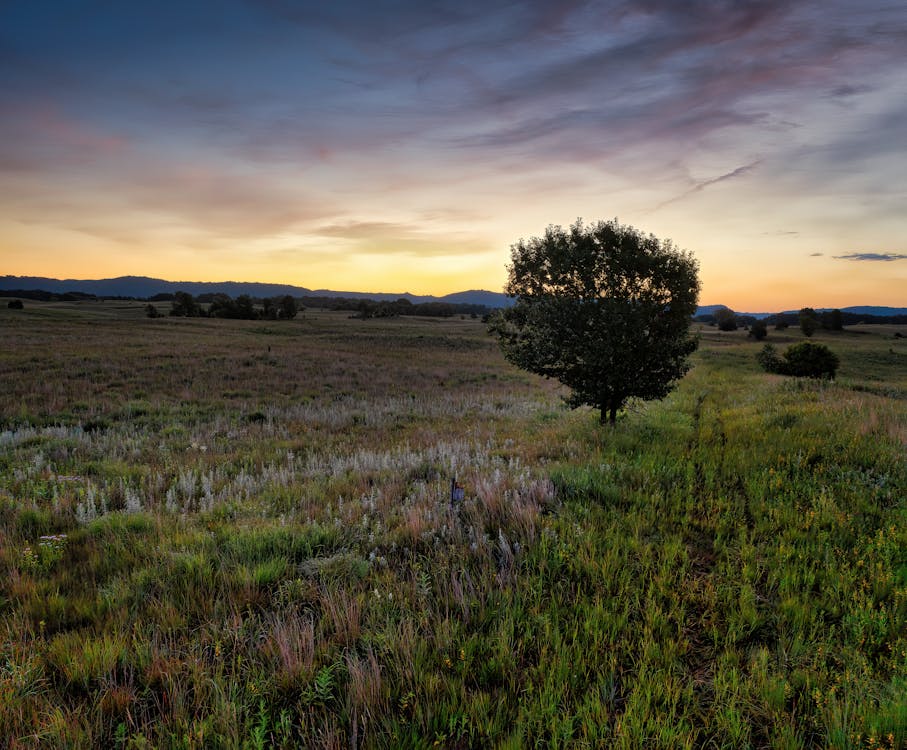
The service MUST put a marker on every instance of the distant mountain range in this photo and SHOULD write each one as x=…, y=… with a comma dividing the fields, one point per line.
x=142, y=287
x=855, y=310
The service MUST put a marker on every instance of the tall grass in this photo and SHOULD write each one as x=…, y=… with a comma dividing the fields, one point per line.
x=220, y=533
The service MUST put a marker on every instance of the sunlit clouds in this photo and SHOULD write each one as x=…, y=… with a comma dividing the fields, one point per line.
x=403, y=146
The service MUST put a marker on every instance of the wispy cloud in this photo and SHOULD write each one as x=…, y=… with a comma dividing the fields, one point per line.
x=883, y=257
x=442, y=129
x=390, y=238
x=700, y=186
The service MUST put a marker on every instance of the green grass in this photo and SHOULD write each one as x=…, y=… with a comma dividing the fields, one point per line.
x=247, y=542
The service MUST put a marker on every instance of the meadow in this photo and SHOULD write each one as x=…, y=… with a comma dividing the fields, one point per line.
x=239, y=534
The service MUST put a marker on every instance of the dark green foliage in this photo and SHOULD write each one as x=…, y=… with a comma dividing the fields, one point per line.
x=243, y=308
x=287, y=308
x=809, y=321
x=806, y=359
x=15, y=304
x=604, y=309
x=833, y=320
x=151, y=311
x=725, y=319
x=269, y=309
x=371, y=309
x=185, y=306
x=811, y=360
x=769, y=360
x=758, y=330
x=222, y=307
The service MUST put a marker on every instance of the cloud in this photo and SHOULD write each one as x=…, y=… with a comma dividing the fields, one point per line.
x=390, y=238
x=358, y=230
x=37, y=135
x=816, y=255
x=700, y=186
x=136, y=195
x=884, y=257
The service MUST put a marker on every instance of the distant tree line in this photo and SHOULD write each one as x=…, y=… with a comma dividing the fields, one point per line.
x=39, y=295
x=244, y=307
x=370, y=308
x=251, y=308
x=724, y=318
x=807, y=319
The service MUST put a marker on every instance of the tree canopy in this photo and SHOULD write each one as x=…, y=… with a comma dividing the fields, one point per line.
x=603, y=308
x=809, y=321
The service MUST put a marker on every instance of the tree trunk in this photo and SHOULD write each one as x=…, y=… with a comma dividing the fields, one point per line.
x=608, y=410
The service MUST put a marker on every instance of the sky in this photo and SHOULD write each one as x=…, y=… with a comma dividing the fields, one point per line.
x=405, y=146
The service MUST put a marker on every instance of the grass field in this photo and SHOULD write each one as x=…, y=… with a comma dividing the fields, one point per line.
x=238, y=534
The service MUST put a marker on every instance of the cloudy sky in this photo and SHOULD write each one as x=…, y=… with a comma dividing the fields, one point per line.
x=404, y=146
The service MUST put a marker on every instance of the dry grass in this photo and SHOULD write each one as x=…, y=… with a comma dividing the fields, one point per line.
x=261, y=549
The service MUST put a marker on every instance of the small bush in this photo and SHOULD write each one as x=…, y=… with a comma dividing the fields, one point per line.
x=805, y=360
x=769, y=360
x=758, y=330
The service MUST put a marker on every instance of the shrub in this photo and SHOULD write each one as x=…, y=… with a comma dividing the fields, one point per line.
x=805, y=360
x=758, y=330
x=769, y=360
x=15, y=304
x=811, y=360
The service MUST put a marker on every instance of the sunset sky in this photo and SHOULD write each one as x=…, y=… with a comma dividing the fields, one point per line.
x=404, y=146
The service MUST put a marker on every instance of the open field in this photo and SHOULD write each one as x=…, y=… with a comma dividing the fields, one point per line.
x=238, y=534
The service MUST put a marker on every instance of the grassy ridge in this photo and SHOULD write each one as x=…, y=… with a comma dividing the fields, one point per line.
x=238, y=534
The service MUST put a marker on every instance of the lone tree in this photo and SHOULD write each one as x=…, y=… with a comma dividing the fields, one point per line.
x=809, y=321
x=287, y=308
x=725, y=319
x=185, y=306
x=604, y=308
x=758, y=330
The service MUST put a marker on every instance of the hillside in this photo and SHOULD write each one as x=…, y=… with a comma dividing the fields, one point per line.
x=243, y=532
x=143, y=287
